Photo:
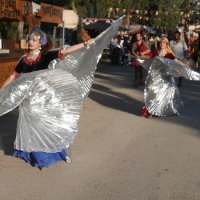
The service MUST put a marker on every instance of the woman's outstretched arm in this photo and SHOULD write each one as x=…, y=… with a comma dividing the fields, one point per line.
x=76, y=47
x=9, y=80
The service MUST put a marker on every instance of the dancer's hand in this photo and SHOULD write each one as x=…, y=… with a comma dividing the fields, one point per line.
x=88, y=42
x=76, y=47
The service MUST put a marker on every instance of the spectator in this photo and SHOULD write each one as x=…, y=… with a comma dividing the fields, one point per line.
x=139, y=49
x=113, y=44
x=180, y=50
x=125, y=56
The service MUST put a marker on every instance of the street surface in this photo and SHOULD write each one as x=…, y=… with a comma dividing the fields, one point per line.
x=117, y=155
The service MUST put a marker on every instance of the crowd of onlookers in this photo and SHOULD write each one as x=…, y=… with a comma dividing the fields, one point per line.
x=185, y=46
x=121, y=46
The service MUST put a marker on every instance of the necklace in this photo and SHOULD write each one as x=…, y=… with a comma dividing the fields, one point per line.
x=162, y=52
x=31, y=61
x=34, y=53
x=32, y=57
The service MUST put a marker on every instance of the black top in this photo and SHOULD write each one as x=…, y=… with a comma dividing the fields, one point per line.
x=42, y=62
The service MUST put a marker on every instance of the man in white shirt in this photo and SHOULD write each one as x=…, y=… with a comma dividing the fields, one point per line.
x=113, y=44
x=113, y=41
x=180, y=50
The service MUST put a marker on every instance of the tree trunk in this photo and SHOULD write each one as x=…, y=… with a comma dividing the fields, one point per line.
x=74, y=7
x=54, y=37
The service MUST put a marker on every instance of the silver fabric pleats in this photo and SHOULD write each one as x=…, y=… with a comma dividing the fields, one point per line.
x=50, y=101
x=161, y=95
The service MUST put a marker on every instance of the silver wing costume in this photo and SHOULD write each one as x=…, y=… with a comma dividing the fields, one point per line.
x=50, y=101
x=161, y=95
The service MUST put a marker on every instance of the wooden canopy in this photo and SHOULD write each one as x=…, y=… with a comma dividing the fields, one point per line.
x=21, y=10
x=51, y=14
x=15, y=10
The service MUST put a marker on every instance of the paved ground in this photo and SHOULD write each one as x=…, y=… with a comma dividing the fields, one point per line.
x=117, y=154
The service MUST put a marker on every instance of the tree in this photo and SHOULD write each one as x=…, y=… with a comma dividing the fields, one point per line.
x=165, y=13
x=8, y=29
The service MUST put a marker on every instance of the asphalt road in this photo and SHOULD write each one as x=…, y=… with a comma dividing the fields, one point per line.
x=117, y=154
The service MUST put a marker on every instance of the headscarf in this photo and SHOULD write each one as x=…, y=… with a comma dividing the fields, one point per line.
x=38, y=33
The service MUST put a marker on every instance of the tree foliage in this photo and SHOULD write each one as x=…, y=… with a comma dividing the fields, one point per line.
x=152, y=12
x=166, y=15
x=157, y=13
x=8, y=29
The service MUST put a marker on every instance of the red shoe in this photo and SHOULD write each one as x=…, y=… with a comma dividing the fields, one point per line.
x=144, y=112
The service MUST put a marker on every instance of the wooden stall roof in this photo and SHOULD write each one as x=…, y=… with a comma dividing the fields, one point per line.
x=50, y=13
x=14, y=10
x=21, y=10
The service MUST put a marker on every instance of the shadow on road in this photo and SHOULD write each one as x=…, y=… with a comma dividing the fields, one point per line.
x=105, y=96
x=190, y=113
x=117, y=77
x=121, y=77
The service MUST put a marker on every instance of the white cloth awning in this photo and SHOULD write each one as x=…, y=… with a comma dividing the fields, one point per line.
x=35, y=7
x=70, y=19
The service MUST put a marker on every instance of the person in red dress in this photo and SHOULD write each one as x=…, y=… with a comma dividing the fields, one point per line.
x=166, y=52
x=139, y=50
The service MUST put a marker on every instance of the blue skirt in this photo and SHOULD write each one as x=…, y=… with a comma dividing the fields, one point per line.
x=41, y=159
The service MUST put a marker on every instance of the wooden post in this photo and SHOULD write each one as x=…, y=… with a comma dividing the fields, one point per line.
x=20, y=30
x=63, y=35
x=54, y=37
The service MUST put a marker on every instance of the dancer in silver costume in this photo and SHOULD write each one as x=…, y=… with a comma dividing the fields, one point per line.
x=50, y=100
x=161, y=95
